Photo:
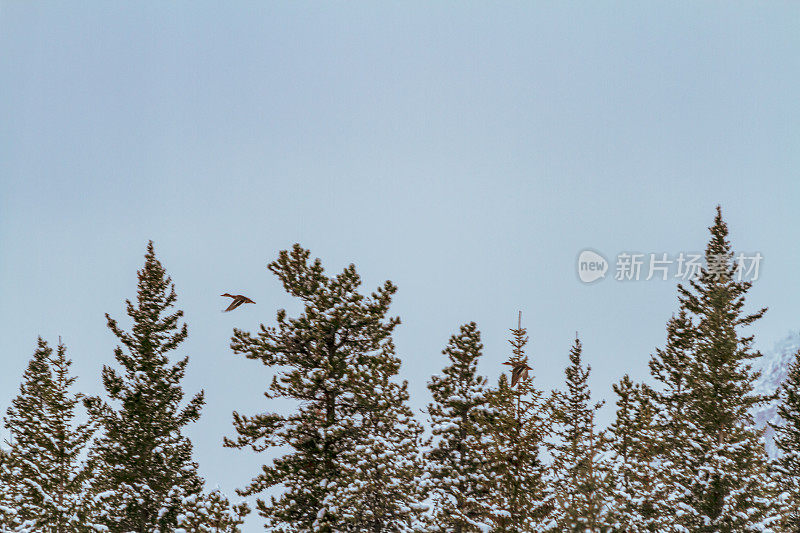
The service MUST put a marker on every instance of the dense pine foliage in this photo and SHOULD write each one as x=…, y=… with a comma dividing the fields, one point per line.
x=43, y=478
x=345, y=452
x=579, y=470
x=718, y=472
x=353, y=462
x=788, y=441
x=512, y=446
x=459, y=477
x=142, y=463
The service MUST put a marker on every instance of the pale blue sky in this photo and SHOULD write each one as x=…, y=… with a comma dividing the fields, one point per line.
x=465, y=151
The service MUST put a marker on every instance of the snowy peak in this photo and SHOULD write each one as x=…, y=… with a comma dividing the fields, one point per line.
x=774, y=367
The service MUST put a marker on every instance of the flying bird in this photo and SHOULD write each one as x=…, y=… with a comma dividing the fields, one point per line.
x=519, y=370
x=238, y=299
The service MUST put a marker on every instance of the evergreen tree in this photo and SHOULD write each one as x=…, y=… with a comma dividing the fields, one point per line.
x=637, y=494
x=579, y=474
x=336, y=361
x=8, y=510
x=670, y=368
x=670, y=443
x=211, y=513
x=787, y=439
x=381, y=491
x=143, y=463
x=716, y=464
x=459, y=480
x=42, y=475
x=516, y=427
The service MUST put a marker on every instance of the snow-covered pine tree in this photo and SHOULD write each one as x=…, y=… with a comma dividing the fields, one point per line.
x=721, y=467
x=787, y=439
x=211, y=513
x=515, y=433
x=142, y=463
x=670, y=443
x=637, y=495
x=623, y=433
x=670, y=368
x=380, y=489
x=458, y=472
x=42, y=474
x=579, y=475
x=8, y=510
x=336, y=360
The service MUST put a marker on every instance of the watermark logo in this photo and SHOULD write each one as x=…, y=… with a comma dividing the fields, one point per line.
x=632, y=266
x=591, y=266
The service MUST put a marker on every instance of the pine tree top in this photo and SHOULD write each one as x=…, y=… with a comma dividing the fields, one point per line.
x=519, y=340
x=720, y=374
x=572, y=411
x=351, y=426
x=143, y=461
x=156, y=330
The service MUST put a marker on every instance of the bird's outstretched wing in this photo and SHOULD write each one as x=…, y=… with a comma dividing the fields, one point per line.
x=238, y=299
x=519, y=372
x=234, y=304
x=515, y=375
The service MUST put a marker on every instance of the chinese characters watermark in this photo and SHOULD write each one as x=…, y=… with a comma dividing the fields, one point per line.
x=685, y=266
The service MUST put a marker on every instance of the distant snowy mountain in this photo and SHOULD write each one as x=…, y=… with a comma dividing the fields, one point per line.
x=774, y=368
